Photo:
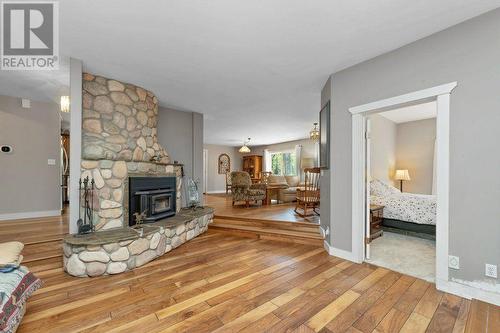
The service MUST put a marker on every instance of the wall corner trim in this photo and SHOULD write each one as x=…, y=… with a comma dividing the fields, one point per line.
x=343, y=254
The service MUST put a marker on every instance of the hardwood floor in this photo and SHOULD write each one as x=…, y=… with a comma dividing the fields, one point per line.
x=224, y=283
x=275, y=212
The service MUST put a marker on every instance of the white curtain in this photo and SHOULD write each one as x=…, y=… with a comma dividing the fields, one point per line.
x=434, y=179
x=267, y=160
x=298, y=160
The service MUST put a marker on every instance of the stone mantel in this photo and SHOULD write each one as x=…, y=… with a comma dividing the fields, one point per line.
x=118, y=250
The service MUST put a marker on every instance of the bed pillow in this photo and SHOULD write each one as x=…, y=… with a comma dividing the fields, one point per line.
x=381, y=189
x=10, y=253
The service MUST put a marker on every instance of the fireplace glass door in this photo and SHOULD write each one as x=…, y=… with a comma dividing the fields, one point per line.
x=161, y=203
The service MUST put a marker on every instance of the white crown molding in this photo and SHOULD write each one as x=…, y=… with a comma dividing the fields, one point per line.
x=29, y=215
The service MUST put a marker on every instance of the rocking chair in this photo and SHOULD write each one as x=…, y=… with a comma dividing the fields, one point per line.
x=309, y=197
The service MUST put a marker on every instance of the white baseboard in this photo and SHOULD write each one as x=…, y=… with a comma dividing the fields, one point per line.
x=29, y=215
x=340, y=253
x=468, y=292
x=215, y=192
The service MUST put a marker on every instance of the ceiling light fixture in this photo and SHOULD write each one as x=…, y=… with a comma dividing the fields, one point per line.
x=244, y=148
x=64, y=103
x=314, y=133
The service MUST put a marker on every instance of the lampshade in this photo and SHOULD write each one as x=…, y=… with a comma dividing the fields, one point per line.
x=402, y=175
x=64, y=103
x=244, y=148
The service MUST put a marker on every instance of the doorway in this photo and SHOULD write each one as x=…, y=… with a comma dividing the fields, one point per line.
x=360, y=181
x=400, y=195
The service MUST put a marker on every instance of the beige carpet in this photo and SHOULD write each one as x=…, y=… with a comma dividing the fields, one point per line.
x=405, y=254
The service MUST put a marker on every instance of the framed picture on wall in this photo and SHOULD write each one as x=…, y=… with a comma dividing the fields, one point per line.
x=224, y=164
x=324, y=137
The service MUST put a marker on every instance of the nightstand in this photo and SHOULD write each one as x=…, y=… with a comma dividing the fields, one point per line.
x=376, y=215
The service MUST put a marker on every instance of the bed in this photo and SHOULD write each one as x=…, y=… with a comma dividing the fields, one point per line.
x=405, y=212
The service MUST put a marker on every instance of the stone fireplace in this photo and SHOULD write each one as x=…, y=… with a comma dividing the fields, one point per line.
x=132, y=174
x=119, y=141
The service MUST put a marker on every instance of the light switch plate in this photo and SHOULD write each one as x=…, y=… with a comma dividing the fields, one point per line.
x=454, y=262
x=25, y=103
x=51, y=161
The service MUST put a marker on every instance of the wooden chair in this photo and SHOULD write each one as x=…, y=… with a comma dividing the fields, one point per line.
x=228, y=182
x=265, y=176
x=309, y=197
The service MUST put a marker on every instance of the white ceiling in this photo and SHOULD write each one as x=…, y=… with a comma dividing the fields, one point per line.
x=253, y=68
x=411, y=113
x=43, y=86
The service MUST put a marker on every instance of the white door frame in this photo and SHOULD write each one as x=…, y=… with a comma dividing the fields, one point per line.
x=442, y=95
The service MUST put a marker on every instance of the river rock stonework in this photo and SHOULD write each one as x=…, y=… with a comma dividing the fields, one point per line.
x=119, y=139
x=119, y=256
x=119, y=122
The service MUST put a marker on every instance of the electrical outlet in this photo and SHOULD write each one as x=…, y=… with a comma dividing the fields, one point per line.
x=454, y=262
x=51, y=161
x=491, y=271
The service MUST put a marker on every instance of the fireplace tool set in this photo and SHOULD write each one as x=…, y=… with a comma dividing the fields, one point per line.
x=87, y=191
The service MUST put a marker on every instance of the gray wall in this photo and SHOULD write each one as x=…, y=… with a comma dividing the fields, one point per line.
x=415, y=152
x=28, y=183
x=181, y=134
x=383, y=148
x=216, y=182
x=468, y=53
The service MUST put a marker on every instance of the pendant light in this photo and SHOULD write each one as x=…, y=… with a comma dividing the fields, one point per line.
x=314, y=133
x=244, y=148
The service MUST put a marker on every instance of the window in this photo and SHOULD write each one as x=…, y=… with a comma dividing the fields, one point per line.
x=283, y=164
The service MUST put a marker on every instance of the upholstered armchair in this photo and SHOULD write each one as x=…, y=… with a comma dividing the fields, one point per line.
x=242, y=188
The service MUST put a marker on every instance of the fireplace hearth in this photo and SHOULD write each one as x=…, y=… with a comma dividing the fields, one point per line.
x=153, y=197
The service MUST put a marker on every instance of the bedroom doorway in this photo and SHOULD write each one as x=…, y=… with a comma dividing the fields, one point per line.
x=360, y=187
x=401, y=200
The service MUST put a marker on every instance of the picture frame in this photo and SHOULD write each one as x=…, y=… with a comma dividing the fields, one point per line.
x=224, y=164
x=324, y=137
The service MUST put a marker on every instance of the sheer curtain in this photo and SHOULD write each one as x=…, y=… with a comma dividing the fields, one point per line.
x=267, y=160
x=298, y=160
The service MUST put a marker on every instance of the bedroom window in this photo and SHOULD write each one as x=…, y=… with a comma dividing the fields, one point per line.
x=283, y=164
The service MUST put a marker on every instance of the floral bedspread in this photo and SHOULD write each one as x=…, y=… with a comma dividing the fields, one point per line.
x=409, y=207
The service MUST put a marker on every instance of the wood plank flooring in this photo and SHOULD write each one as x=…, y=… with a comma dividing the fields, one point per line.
x=221, y=283
x=225, y=283
x=275, y=212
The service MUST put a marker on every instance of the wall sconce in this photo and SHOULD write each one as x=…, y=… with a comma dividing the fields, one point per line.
x=64, y=103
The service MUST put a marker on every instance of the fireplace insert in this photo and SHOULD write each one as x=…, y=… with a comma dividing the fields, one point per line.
x=153, y=197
